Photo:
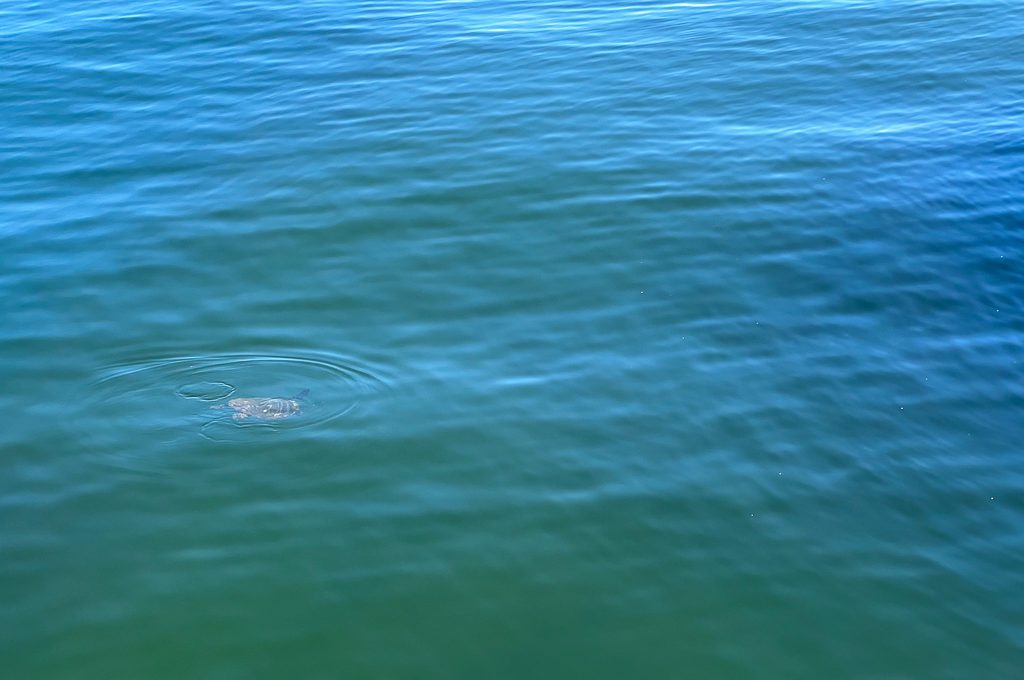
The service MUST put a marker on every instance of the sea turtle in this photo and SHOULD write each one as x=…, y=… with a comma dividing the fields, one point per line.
x=265, y=408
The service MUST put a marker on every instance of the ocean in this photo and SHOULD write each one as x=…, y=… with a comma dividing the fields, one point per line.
x=641, y=340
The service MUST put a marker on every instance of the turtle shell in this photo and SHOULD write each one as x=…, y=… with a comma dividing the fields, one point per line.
x=263, y=408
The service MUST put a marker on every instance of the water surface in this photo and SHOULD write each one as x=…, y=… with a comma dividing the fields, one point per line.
x=649, y=340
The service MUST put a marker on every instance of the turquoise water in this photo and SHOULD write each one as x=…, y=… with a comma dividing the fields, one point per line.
x=644, y=340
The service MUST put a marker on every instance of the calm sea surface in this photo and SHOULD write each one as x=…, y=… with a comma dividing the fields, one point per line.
x=642, y=340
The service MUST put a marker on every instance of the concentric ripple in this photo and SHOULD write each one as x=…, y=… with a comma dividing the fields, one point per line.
x=162, y=403
x=206, y=391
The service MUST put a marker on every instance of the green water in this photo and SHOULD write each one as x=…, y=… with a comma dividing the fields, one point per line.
x=641, y=340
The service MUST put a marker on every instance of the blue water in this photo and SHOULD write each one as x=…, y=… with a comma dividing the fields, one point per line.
x=654, y=340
